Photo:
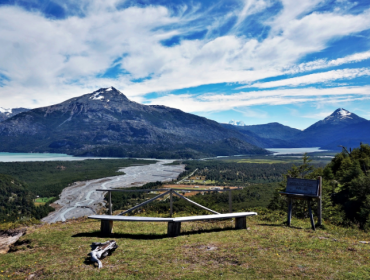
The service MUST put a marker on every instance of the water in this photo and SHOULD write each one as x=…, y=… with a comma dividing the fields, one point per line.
x=11, y=157
x=290, y=151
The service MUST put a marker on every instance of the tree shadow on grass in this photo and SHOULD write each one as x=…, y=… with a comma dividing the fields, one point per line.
x=97, y=234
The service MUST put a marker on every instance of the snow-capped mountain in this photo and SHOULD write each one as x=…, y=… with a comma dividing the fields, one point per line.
x=8, y=113
x=340, y=128
x=238, y=123
x=339, y=118
x=106, y=123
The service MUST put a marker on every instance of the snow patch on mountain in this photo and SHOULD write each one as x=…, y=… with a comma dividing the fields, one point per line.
x=5, y=111
x=340, y=114
x=97, y=96
x=238, y=123
x=344, y=113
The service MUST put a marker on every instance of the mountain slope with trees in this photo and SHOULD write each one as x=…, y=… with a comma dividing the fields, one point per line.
x=346, y=188
x=16, y=201
x=107, y=123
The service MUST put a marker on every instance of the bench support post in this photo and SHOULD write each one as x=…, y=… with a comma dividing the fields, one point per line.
x=230, y=202
x=106, y=227
x=171, y=204
x=110, y=203
x=241, y=223
x=173, y=229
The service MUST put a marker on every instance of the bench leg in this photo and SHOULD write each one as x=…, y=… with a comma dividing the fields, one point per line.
x=106, y=227
x=241, y=223
x=173, y=229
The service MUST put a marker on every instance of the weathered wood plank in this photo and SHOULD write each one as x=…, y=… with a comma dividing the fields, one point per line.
x=302, y=186
x=101, y=250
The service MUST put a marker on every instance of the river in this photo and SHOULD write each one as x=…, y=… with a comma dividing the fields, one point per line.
x=82, y=199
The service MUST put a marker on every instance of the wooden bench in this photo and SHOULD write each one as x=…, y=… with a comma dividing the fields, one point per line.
x=174, y=224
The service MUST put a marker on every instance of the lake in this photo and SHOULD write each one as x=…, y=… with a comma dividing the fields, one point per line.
x=290, y=151
x=11, y=157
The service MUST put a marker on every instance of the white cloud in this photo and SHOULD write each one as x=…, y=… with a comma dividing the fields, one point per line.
x=315, y=78
x=323, y=63
x=51, y=60
x=223, y=102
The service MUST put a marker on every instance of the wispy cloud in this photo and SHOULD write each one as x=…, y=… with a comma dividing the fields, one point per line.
x=315, y=78
x=222, y=102
x=323, y=63
x=50, y=60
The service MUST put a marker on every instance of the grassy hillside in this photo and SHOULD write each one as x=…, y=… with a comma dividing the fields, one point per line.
x=267, y=250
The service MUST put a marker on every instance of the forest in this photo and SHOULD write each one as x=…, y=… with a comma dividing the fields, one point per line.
x=346, y=188
x=21, y=182
x=16, y=201
x=49, y=178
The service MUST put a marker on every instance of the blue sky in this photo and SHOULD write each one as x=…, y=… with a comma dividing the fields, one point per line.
x=258, y=61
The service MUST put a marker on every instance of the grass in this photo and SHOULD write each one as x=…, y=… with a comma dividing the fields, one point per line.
x=296, y=159
x=43, y=200
x=267, y=250
x=200, y=182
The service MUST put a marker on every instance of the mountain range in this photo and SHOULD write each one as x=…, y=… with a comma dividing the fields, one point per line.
x=107, y=123
x=341, y=128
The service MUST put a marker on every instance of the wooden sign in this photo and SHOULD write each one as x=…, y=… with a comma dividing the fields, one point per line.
x=304, y=189
x=303, y=186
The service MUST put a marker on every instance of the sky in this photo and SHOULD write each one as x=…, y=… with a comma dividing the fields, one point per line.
x=257, y=61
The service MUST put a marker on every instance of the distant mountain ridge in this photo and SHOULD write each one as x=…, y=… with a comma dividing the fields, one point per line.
x=8, y=113
x=107, y=123
x=340, y=128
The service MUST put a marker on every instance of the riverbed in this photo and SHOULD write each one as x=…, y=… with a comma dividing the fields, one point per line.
x=82, y=199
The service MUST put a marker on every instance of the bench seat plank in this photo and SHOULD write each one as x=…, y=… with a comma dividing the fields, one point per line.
x=214, y=217
x=174, y=224
x=130, y=218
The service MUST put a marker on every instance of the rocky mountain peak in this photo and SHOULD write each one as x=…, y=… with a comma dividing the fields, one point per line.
x=341, y=113
x=342, y=116
x=105, y=94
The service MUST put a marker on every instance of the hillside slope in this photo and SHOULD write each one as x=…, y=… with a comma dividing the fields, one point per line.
x=16, y=201
x=267, y=250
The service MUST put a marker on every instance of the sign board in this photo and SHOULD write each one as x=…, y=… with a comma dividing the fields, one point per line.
x=303, y=186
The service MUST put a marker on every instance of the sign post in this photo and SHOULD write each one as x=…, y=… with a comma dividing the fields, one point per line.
x=304, y=189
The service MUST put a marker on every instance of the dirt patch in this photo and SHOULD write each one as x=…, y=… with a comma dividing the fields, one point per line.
x=56, y=206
